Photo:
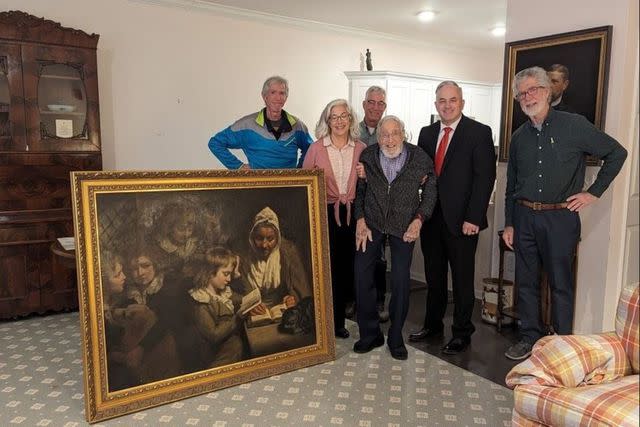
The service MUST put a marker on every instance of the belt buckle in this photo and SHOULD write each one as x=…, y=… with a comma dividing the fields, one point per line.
x=537, y=206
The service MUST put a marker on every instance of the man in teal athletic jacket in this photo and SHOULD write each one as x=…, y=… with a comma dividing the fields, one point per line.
x=270, y=138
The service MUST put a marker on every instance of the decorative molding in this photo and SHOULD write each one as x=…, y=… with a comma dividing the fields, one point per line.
x=20, y=26
x=306, y=24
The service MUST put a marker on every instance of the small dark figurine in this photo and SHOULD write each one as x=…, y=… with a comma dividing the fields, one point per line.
x=369, y=64
x=299, y=318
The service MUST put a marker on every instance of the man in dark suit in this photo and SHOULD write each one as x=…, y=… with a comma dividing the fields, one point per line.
x=465, y=165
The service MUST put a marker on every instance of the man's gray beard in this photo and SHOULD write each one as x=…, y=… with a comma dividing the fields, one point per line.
x=534, y=111
x=388, y=155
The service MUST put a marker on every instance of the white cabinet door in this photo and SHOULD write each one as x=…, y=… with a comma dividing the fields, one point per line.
x=420, y=110
x=399, y=98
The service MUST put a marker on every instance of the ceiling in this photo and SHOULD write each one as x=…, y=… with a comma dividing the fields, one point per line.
x=462, y=23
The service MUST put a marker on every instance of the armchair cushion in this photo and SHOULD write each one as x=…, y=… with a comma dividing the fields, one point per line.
x=572, y=361
x=627, y=324
x=610, y=404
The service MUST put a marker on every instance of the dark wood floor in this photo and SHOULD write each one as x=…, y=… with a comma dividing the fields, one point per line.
x=484, y=357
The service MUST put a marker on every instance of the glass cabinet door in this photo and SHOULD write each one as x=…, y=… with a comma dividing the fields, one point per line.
x=62, y=102
x=61, y=92
x=12, y=128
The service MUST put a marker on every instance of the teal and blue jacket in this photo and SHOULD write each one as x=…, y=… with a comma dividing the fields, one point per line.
x=252, y=135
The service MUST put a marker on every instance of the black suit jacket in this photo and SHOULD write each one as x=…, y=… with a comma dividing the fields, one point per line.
x=468, y=173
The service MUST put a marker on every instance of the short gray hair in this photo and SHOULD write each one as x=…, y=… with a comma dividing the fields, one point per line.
x=275, y=79
x=375, y=89
x=449, y=83
x=399, y=122
x=323, y=129
x=537, y=73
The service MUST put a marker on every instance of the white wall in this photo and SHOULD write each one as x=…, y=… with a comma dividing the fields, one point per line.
x=170, y=77
x=601, y=248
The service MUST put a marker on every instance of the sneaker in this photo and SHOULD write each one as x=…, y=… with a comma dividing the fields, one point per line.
x=519, y=351
x=383, y=315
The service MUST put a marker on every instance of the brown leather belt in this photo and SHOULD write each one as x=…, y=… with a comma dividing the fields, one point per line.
x=537, y=206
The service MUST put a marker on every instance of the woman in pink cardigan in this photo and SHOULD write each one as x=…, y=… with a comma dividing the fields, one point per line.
x=337, y=151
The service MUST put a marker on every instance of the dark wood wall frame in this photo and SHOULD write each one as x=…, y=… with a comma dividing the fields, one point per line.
x=587, y=55
x=35, y=195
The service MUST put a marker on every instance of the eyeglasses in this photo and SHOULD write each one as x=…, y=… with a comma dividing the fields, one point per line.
x=344, y=117
x=379, y=104
x=396, y=134
x=532, y=91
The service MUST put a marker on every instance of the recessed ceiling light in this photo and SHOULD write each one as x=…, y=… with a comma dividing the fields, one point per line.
x=498, y=31
x=426, y=16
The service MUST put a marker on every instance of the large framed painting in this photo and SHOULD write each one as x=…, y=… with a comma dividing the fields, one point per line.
x=195, y=281
x=578, y=61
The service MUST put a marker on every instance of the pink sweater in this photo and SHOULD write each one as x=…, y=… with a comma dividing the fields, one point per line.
x=317, y=157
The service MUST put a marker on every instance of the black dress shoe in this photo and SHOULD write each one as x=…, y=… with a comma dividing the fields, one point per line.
x=362, y=347
x=424, y=334
x=342, y=333
x=399, y=353
x=456, y=345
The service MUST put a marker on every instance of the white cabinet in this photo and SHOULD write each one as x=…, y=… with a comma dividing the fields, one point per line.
x=411, y=97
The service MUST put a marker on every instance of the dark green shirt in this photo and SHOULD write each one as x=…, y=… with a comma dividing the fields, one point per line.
x=548, y=165
x=365, y=136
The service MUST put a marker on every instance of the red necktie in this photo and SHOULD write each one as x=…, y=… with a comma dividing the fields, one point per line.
x=442, y=149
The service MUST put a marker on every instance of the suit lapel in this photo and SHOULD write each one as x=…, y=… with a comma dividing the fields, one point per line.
x=432, y=143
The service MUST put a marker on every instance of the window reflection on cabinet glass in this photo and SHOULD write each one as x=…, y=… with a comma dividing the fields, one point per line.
x=5, y=98
x=62, y=101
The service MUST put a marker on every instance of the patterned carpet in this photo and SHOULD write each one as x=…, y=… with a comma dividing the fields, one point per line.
x=41, y=385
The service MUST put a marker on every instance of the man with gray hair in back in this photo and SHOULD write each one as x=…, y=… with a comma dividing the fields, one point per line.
x=374, y=106
x=270, y=138
x=545, y=179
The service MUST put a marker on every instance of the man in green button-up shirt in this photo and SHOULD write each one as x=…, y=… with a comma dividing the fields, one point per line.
x=545, y=178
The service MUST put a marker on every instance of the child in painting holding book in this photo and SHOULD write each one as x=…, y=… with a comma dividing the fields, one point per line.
x=216, y=315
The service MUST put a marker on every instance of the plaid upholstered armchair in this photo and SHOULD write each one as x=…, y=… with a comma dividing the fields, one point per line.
x=580, y=380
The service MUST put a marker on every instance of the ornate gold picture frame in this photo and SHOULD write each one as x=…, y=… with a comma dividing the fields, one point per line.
x=584, y=53
x=198, y=280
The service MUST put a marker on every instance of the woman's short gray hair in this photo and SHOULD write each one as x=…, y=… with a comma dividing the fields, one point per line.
x=538, y=73
x=400, y=123
x=278, y=80
x=323, y=129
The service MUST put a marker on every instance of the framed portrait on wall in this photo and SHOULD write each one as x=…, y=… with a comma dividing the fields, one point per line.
x=198, y=280
x=582, y=55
